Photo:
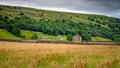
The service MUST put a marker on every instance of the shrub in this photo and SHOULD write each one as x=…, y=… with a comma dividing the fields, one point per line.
x=21, y=13
x=34, y=36
x=69, y=37
x=16, y=31
x=22, y=36
x=1, y=8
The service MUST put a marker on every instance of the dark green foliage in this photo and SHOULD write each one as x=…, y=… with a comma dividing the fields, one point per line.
x=56, y=33
x=13, y=29
x=34, y=36
x=22, y=36
x=1, y=8
x=3, y=22
x=21, y=13
x=6, y=17
x=86, y=37
x=116, y=38
x=69, y=37
x=2, y=25
x=10, y=15
x=16, y=31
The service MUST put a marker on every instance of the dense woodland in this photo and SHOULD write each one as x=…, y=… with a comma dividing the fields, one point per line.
x=87, y=27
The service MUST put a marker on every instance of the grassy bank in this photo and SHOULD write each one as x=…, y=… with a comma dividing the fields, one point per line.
x=100, y=39
x=28, y=35
x=4, y=34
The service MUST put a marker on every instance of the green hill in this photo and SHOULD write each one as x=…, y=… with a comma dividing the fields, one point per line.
x=59, y=23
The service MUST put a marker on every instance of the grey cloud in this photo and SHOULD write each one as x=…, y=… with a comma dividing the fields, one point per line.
x=107, y=7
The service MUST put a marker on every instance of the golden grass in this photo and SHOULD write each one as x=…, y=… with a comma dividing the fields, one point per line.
x=49, y=55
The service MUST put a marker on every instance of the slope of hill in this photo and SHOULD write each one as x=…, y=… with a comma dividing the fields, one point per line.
x=100, y=39
x=60, y=23
x=6, y=35
x=28, y=35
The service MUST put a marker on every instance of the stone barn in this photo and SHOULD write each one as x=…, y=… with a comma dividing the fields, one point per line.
x=77, y=39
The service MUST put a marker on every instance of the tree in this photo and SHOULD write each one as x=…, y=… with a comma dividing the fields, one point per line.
x=2, y=25
x=86, y=37
x=116, y=37
x=56, y=33
x=16, y=31
x=6, y=17
x=1, y=8
x=21, y=13
x=34, y=36
x=69, y=37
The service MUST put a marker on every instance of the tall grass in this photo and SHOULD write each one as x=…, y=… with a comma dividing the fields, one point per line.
x=48, y=55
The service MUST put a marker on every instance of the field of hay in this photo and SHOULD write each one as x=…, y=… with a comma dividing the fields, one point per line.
x=49, y=55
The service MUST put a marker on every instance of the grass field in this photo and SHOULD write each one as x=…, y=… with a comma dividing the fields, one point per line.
x=44, y=55
x=4, y=34
x=100, y=39
x=28, y=35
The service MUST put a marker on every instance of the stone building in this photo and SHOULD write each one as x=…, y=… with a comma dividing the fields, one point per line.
x=77, y=39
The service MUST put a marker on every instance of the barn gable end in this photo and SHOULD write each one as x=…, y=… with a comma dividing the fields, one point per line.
x=77, y=39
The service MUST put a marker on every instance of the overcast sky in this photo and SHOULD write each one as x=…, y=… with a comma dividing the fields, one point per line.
x=104, y=7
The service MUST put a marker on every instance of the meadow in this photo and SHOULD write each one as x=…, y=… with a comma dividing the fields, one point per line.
x=4, y=34
x=49, y=55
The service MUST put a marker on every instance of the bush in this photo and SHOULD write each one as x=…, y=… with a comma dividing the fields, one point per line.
x=16, y=31
x=116, y=38
x=22, y=36
x=2, y=25
x=86, y=37
x=34, y=36
x=21, y=13
x=1, y=8
x=69, y=37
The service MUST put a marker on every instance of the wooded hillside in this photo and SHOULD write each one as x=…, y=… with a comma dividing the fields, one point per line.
x=14, y=18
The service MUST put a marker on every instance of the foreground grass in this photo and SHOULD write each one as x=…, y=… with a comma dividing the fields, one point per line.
x=43, y=55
